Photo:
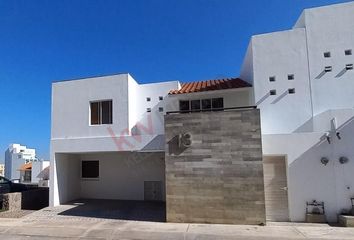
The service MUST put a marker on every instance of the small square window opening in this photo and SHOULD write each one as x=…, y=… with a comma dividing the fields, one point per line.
x=291, y=90
x=327, y=54
x=148, y=99
x=273, y=92
x=160, y=98
x=148, y=110
x=349, y=67
x=348, y=52
x=272, y=79
x=328, y=69
x=160, y=109
x=291, y=77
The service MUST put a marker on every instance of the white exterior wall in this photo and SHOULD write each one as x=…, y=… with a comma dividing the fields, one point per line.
x=296, y=125
x=330, y=29
x=37, y=167
x=133, y=129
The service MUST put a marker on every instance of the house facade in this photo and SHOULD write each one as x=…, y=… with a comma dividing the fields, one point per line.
x=203, y=146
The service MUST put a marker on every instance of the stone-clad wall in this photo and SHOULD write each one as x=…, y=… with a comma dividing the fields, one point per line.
x=219, y=178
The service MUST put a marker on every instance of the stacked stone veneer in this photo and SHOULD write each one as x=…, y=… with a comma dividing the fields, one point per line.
x=219, y=178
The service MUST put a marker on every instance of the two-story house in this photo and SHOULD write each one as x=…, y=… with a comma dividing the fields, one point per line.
x=203, y=149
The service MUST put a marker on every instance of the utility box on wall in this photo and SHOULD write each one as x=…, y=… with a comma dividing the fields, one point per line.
x=218, y=176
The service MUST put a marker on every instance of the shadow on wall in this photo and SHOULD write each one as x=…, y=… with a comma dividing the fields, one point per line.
x=329, y=183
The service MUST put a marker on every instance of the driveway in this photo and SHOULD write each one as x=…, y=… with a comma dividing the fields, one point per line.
x=86, y=219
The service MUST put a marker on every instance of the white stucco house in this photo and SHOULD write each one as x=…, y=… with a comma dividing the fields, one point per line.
x=107, y=136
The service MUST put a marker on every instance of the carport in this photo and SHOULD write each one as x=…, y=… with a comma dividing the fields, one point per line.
x=125, y=184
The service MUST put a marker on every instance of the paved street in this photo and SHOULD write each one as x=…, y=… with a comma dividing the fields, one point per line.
x=70, y=227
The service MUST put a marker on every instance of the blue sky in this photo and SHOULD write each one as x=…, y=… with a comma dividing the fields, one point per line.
x=154, y=40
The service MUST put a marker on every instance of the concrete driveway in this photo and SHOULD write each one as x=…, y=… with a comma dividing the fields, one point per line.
x=29, y=228
x=74, y=221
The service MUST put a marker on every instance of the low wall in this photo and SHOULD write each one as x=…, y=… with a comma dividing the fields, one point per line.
x=28, y=200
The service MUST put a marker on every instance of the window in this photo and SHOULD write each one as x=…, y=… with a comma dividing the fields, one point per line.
x=348, y=52
x=273, y=92
x=184, y=105
x=160, y=98
x=90, y=169
x=148, y=99
x=272, y=79
x=160, y=109
x=291, y=77
x=19, y=156
x=206, y=104
x=328, y=69
x=349, y=67
x=327, y=54
x=217, y=103
x=101, y=112
x=195, y=105
x=203, y=104
x=291, y=90
x=148, y=110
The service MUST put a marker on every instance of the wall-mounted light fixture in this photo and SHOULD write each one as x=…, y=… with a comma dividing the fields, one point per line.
x=343, y=160
x=324, y=161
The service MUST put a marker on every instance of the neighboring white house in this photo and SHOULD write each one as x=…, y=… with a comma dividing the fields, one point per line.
x=303, y=82
x=108, y=132
x=15, y=156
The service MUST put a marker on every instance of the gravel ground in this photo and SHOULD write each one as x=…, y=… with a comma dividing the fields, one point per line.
x=15, y=214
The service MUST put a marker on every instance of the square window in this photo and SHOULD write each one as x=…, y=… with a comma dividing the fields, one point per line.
x=327, y=54
x=272, y=79
x=90, y=169
x=101, y=112
x=291, y=90
x=195, y=105
x=160, y=98
x=206, y=104
x=148, y=110
x=291, y=77
x=348, y=52
x=184, y=106
x=328, y=69
x=217, y=103
x=148, y=99
x=273, y=92
x=160, y=109
x=349, y=66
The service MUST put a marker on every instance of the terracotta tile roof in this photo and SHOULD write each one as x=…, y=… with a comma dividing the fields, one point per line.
x=211, y=85
x=25, y=167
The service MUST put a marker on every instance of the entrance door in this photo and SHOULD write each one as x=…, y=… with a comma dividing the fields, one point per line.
x=275, y=188
x=153, y=191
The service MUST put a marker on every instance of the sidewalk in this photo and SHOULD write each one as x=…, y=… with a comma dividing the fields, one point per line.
x=27, y=228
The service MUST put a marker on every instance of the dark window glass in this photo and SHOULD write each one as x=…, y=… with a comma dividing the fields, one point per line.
x=291, y=77
x=195, y=105
x=160, y=109
x=101, y=112
x=184, y=105
x=160, y=98
x=273, y=92
x=217, y=103
x=206, y=104
x=90, y=169
x=106, y=112
x=95, y=113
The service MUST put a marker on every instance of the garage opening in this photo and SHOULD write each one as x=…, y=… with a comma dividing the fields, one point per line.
x=119, y=185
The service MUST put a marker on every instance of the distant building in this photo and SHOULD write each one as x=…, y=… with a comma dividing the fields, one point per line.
x=29, y=172
x=2, y=169
x=15, y=156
